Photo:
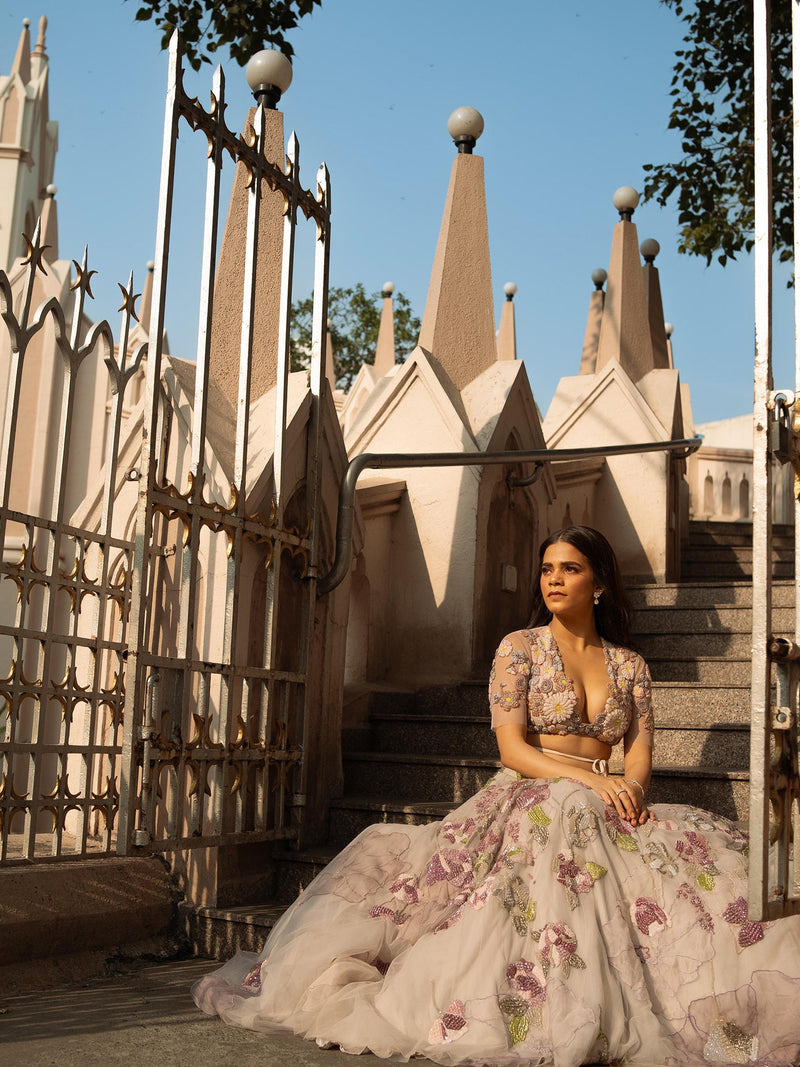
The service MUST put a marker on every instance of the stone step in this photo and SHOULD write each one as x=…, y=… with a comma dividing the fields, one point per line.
x=720, y=670
x=668, y=620
x=677, y=703
x=733, y=569
x=724, y=792
x=351, y=814
x=407, y=775
x=218, y=933
x=716, y=553
x=687, y=744
x=452, y=779
x=68, y=918
x=710, y=595
x=701, y=703
x=673, y=645
x=744, y=530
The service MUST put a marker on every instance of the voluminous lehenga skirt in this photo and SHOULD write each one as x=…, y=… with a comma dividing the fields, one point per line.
x=531, y=926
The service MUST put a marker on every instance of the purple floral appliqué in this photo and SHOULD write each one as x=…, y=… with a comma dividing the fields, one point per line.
x=574, y=878
x=694, y=851
x=704, y=920
x=528, y=979
x=751, y=932
x=252, y=982
x=649, y=917
x=451, y=865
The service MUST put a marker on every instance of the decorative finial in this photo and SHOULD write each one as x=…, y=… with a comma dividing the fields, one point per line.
x=649, y=249
x=387, y=290
x=625, y=200
x=465, y=126
x=669, y=329
x=26, y=23
x=599, y=277
x=269, y=75
x=51, y=190
x=39, y=48
x=510, y=290
x=151, y=266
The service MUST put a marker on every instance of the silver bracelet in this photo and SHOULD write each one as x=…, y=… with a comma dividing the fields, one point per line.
x=635, y=782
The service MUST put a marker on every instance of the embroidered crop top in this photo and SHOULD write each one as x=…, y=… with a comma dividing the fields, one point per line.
x=528, y=685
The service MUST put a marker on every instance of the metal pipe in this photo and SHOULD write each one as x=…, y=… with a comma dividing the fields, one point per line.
x=345, y=518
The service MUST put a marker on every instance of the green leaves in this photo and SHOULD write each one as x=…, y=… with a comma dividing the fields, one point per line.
x=711, y=94
x=245, y=26
x=355, y=317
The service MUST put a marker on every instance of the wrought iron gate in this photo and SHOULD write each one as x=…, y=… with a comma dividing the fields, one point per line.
x=174, y=712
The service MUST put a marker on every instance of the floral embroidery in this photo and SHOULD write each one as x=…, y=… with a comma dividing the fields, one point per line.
x=405, y=889
x=751, y=932
x=701, y=820
x=512, y=893
x=729, y=1042
x=574, y=878
x=558, y=945
x=533, y=794
x=582, y=825
x=450, y=1025
x=649, y=917
x=381, y=911
x=695, y=854
x=528, y=979
x=524, y=1005
x=451, y=865
x=656, y=856
x=532, y=659
x=558, y=707
x=619, y=832
x=252, y=981
x=685, y=892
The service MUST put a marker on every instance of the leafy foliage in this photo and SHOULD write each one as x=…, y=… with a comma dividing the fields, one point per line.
x=246, y=26
x=712, y=108
x=354, y=317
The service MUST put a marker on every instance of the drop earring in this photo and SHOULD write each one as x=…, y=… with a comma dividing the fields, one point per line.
x=596, y=597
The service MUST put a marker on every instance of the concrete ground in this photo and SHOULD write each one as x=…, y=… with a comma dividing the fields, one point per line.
x=143, y=1016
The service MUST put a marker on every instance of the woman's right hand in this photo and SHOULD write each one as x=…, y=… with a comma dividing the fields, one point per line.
x=616, y=792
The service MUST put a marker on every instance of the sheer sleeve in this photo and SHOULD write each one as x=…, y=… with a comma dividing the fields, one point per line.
x=642, y=703
x=508, y=681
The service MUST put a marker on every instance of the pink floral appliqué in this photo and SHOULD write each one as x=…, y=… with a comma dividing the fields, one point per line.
x=573, y=877
x=252, y=982
x=649, y=917
x=751, y=932
x=528, y=979
x=450, y=1025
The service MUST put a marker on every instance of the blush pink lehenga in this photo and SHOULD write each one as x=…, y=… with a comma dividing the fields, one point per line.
x=531, y=926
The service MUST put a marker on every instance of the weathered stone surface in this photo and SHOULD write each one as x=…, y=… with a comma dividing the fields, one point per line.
x=58, y=909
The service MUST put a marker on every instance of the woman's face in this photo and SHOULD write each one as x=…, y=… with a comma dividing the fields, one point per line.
x=567, y=581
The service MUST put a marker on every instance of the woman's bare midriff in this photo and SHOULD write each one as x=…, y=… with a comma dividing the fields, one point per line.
x=571, y=745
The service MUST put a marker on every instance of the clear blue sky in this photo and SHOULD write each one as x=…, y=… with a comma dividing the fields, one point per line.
x=574, y=96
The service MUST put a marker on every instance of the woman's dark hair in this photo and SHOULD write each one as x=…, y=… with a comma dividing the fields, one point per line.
x=612, y=615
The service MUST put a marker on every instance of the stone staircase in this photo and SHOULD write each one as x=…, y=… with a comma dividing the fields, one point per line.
x=724, y=551
x=425, y=752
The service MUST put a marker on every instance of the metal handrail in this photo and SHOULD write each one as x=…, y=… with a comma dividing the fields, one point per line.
x=345, y=518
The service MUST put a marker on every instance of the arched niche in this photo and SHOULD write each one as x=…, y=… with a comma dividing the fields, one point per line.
x=506, y=541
